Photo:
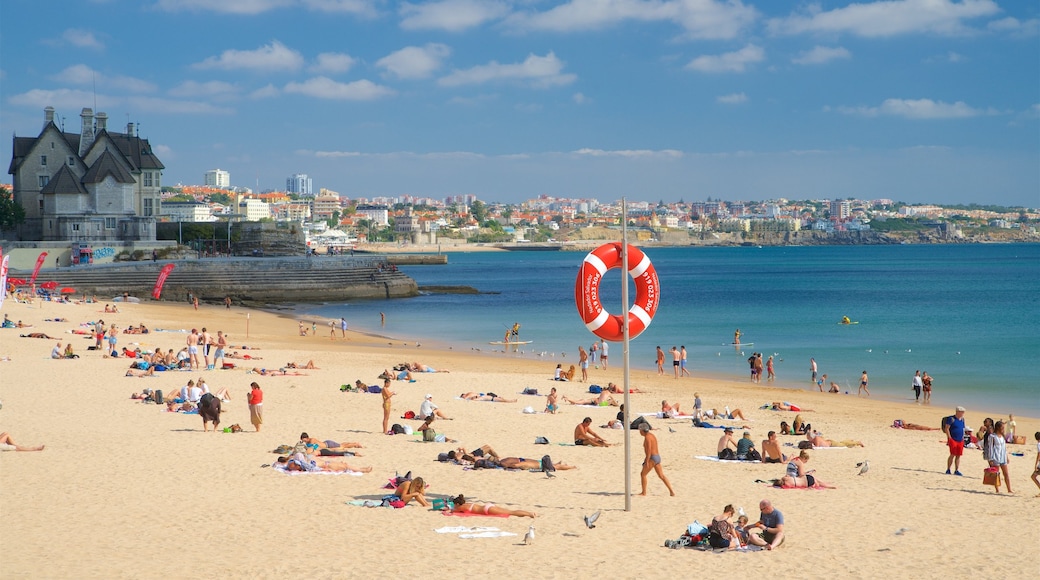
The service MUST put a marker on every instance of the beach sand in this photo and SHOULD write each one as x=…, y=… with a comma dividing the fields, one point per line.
x=127, y=490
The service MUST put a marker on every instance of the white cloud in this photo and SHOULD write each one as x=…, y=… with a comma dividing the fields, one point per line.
x=450, y=15
x=732, y=99
x=728, y=62
x=271, y=57
x=332, y=62
x=1015, y=26
x=579, y=98
x=414, y=62
x=206, y=89
x=887, y=18
x=159, y=105
x=539, y=71
x=704, y=19
x=473, y=101
x=82, y=39
x=954, y=57
x=265, y=92
x=326, y=88
x=821, y=54
x=631, y=153
x=358, y=7
x=73, y=99
x=81, y=74
x=918, y=109
x=225, y=6
x=164, y=151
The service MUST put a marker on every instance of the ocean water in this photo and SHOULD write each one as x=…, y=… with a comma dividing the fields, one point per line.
x=969, y=315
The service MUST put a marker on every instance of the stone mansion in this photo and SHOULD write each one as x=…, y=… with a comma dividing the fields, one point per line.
x=95, y=185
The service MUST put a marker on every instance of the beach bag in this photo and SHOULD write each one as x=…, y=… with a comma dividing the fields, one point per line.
x=595, y=389
x=376, y=389
x=530, y=391
x=1019, y=440
x=991, y=476
x=754, y=455
x=946, y=422
x=397, y=429
x=157, y=397
x=541, y=441
x=409, y=415
x=727, y=454
x=429, y=435
x=805, y=444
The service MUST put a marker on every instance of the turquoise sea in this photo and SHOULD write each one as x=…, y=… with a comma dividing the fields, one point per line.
x=967, y=314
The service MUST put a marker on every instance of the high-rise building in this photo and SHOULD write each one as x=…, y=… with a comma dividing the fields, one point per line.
x=840, y=209
x=217, y=178
x=299, y=184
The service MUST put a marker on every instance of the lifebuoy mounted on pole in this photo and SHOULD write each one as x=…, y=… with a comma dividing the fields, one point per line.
x=587, y=298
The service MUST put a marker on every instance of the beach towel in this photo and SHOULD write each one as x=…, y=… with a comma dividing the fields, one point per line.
x=716, y=459
x=463, y=530
x=474, y=515
x=280, y=467
x=486, y=535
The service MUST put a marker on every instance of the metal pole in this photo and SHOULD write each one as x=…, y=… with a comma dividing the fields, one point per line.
x=624, y=352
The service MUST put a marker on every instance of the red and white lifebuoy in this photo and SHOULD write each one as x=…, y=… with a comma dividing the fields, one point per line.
x=586, y=292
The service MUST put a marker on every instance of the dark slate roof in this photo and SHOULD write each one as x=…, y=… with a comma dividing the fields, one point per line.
x=137, y=151
x=107, y=165
x=64, y=181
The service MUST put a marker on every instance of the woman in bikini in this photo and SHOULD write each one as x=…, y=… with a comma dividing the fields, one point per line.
x=459, y=505
x=387, y=393
x=414, y=489
x=798, y=476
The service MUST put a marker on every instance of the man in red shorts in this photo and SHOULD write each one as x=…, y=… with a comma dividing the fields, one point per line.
x=953, y=426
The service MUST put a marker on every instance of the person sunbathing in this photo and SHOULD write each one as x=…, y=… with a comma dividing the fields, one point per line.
x=603, y=400
x=726, y=414
x=276, y=373
x=36, y=335
x=669, y=410
x=522, y=463
x=8, y=444
x=785, y=406
x=235, y=354
x=798, y=476
x=414, y=489
x=461, y=454
x=460, y=505
x=612, y=388
x=818, y=441
x=318, y=444
x=303, y=462
x=421, y=368
x=309, y=365
x=485, y=397
x=900, y=424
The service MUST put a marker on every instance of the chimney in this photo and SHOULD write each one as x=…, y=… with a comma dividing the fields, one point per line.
x=48, y=115
x=129, y=129
x=86, y=134
x=102, y=122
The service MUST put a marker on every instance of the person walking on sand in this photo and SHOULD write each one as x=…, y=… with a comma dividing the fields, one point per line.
x=660, y=361
x=1036, y=466
x=770, y=375
x=343, y=327
x=256, y=406
x=676, y=358
x=195, y=302
x=863, y=384
x=603, y=347
x=682, y=362
x=916, y=385
x=995, y=452
x=953, y=426
x=652, y=460
x=583, y=362
x=387, y=394
x=812, y=367
x=926, y=380
x=332, y=330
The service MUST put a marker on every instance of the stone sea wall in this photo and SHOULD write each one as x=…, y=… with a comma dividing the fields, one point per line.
x=250, y=280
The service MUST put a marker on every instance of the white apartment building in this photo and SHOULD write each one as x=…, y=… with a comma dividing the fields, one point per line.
x=188, y=211
x=299, y=184
x=379, y=214
x=840, y=209
x=254, y=210
x=217, y=178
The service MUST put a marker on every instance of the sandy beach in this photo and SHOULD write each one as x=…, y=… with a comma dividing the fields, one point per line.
x=125, y=489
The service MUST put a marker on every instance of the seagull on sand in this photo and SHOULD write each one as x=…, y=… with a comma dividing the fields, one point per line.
x=529, y=536
x=863, y=467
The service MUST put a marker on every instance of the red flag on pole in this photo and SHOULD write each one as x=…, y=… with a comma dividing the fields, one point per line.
x=36, y=270
x=157, y=291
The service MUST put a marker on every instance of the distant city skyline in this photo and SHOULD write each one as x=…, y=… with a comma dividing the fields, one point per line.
x=920, y=101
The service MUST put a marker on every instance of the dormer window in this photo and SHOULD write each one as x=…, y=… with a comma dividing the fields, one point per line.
x=72, y=161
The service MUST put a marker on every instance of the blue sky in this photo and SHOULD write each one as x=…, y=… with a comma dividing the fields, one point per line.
x=931, y=101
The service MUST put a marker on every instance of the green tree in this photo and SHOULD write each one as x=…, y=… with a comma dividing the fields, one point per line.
x=221, y=198
x=11, y=212
x=479, y=211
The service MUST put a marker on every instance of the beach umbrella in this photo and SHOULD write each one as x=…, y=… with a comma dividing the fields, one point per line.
x=68, y=290
x=49, y=285
x=17, y=281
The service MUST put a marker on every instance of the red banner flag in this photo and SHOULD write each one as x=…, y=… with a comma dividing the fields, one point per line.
x=163, y=274
x=3, y=278
x=36, y=270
